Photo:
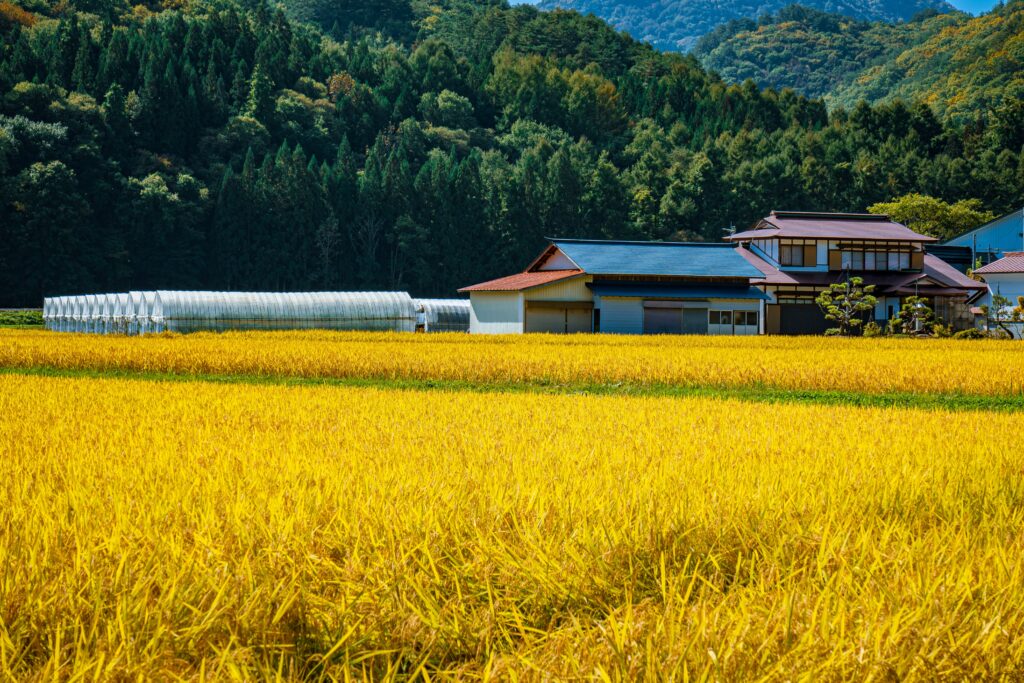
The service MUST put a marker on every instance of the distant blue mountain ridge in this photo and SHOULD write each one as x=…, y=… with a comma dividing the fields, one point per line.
x=679, y=24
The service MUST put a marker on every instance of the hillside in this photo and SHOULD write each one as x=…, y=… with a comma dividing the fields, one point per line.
x=958, y=64
x=813, y=52
x=967, y=67
x=679, y=24
x=222, y=146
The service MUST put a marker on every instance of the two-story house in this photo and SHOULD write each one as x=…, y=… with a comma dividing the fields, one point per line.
x=800, y=254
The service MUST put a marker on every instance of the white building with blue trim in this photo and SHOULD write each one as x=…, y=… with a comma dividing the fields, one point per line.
x=993, y=240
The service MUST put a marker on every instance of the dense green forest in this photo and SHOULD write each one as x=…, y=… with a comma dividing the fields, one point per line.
x=222, y=145
x=961, y=65
x=679, y=24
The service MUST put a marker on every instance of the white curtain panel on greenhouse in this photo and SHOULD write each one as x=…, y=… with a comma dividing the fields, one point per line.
x=139, y=312
x=218, y=311
x=144, y=313
x=443, y=315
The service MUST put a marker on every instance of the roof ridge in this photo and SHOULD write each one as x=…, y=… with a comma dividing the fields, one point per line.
x=573, y=240
x=831, y=216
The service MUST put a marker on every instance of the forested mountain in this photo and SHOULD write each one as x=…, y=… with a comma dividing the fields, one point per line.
x=813, y=52
x=679, y=24
x=961, y=65
x=219, y=145
x=963, y=70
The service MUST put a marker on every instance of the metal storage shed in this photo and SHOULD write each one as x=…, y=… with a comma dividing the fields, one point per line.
x=443, y=315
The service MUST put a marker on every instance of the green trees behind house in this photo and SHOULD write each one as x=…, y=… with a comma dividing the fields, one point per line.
x=230, y=146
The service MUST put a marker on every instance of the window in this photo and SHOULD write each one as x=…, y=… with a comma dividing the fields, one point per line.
x=904, y=260
x=791, y=255
x=857, y=260
x=881, y=261
x=746, y=318
x=894, y=260
x=869, y=260
x=720, y=317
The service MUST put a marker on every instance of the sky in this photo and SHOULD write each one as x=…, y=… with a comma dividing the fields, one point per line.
x=974, y=6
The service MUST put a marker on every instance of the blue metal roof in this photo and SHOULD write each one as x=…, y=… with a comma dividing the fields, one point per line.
x=682, y=259
x=656, y=290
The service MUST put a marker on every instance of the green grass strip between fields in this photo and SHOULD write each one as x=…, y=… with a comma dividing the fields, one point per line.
x=754, y=394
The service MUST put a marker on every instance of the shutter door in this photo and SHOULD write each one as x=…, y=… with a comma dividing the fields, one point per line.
x=550, y=320
x=559, y=319
x=579, y=320
x=663, y=320
x=772, y=319
x=695, y=321
x=802, y=319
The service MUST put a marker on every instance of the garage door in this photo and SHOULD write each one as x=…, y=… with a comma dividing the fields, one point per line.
x=663, y=320
x=695, y=321
x=546, y=320
x=558, y=320
x=578, y=320
x=802, y=319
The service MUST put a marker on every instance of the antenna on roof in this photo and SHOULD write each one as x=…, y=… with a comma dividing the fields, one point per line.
x=731, y=230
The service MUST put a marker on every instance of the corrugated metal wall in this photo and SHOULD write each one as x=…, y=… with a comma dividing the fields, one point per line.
x=567, y=290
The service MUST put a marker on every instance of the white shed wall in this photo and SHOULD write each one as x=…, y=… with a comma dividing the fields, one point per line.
x=1010, y=285
x=496, y=313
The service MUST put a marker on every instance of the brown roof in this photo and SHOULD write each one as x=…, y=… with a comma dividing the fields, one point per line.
x=521, y=281
x=939, y=270
x=895, y=282
x=848, y=226
x=1012, y=262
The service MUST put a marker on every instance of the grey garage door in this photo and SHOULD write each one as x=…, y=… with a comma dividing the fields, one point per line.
x=663, y=320
x=802, y=319
x=695, y=321
x=559, y=320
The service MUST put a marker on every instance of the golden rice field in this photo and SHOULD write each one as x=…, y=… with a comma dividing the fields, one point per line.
x=236, y=531
x=849, y=365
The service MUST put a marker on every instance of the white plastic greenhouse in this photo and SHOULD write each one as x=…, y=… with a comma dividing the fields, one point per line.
x=144, y=312
x=443, y=315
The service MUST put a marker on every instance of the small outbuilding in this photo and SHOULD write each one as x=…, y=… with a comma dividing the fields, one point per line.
x=993, y=240
x=623, y=287
x=1005, y=277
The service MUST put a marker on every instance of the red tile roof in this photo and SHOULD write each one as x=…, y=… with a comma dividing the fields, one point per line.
x=521, y=281
x=1012, y=262
x=829, y=226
